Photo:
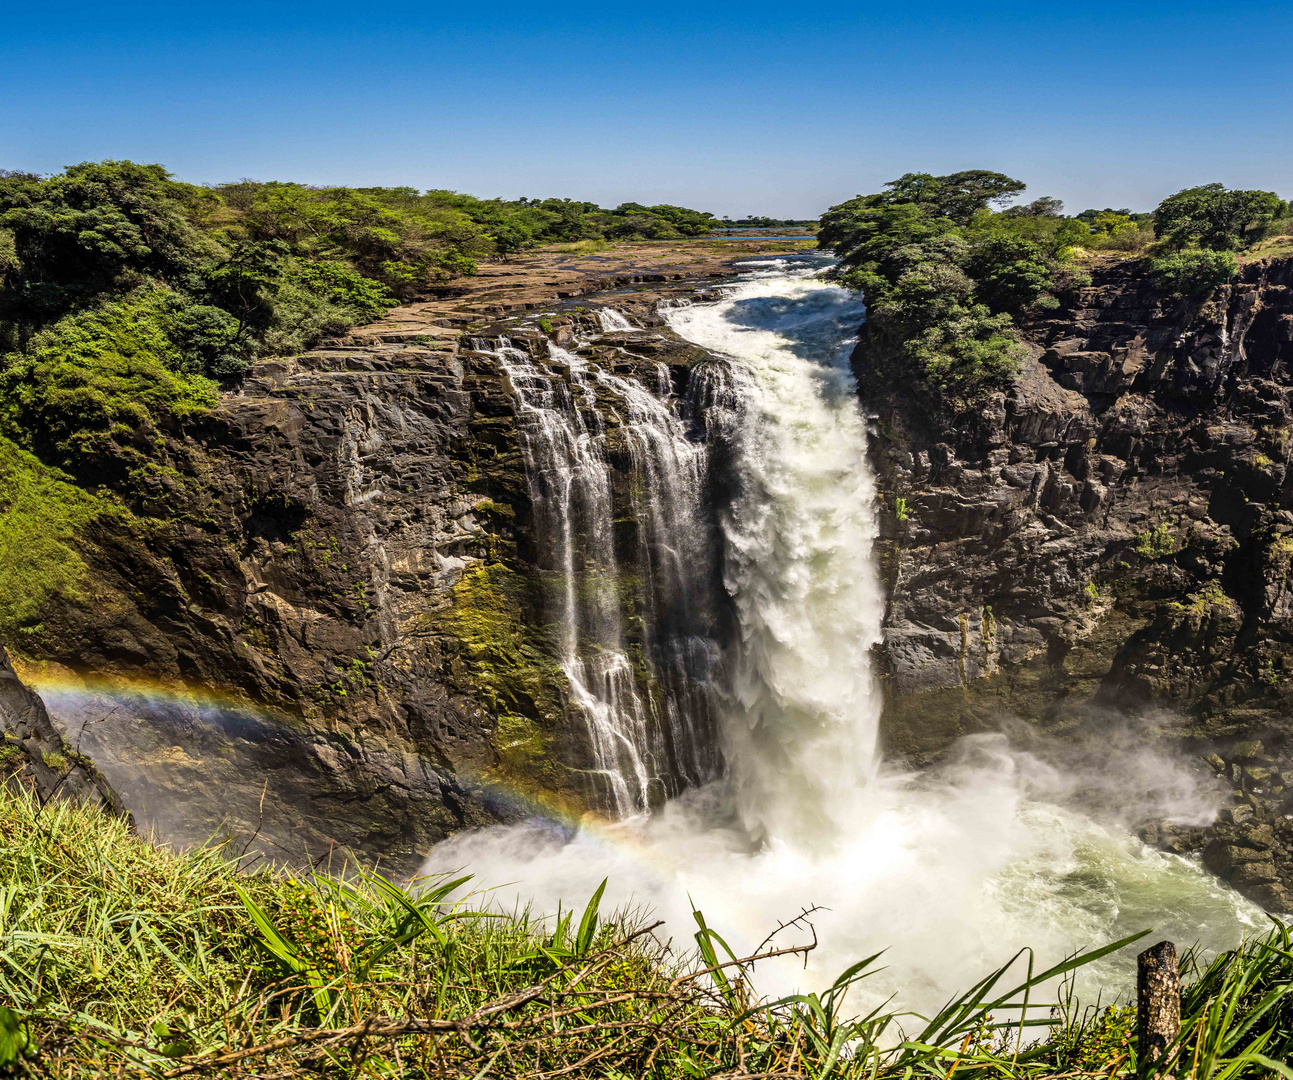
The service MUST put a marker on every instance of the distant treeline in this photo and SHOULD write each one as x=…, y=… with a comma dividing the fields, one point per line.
x=949, y=278
x=765, y=223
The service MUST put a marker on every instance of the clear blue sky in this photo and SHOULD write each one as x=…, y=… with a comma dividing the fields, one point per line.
x=734, y=108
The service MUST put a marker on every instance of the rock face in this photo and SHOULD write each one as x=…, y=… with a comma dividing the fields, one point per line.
x=1112, y=534
x=35, y=754
x=323, y=623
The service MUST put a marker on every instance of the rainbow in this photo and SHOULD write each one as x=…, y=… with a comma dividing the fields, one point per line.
x=67, y=692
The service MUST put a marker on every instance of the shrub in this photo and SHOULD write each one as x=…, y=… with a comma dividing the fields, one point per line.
x=1193, y=273
x=347, y=288
x=1155, y=543
x=94, y=385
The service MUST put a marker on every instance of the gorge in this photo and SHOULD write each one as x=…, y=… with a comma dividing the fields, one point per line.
x=638, y=564
x=990, y=851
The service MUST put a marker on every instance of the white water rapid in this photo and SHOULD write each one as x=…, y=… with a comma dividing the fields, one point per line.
x=951, y=870
x=612, y=320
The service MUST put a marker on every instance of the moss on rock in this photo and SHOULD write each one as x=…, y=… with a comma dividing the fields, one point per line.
x=511, y=662
x=41, y=515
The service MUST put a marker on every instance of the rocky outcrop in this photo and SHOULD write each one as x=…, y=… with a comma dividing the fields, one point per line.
x=35, y=754
x=1114, y=533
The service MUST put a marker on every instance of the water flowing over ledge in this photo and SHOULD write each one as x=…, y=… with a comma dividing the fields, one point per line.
x=952, y=869
x=645, y=693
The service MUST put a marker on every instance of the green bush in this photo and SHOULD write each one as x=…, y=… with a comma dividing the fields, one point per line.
x=89, y=392
x=1193, y=273
x=42, y=519
x=347, y=288
x=1156, y=543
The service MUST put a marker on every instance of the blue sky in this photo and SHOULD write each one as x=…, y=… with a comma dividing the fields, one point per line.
x=751, y=108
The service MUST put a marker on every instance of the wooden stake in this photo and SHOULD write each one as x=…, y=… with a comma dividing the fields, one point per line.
x=1158, y=1001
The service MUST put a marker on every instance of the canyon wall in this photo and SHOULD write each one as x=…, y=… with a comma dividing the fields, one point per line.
x=1109, y=542
x=323, y=624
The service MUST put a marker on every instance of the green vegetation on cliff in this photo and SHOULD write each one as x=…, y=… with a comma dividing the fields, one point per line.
x=510, y=663
x=949, y=280
x=1216, y=218
x=118, y=958
x=946, y=277
x=41, y=513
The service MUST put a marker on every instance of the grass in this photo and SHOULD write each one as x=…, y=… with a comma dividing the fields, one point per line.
x=1272, y=247
x=120, y=958
x=582, y=247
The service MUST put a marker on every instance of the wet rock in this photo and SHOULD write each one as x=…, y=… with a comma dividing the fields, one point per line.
x=34, y=753
x=1109, y=539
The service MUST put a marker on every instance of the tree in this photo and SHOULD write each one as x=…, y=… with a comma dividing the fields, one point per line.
x=1214, y=217
x=1011, y=274
x=958, y=195
x=1043, y=207
x=877, y=240
x=76, y=234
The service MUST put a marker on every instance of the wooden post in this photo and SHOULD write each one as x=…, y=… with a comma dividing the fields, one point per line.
x=1158, y=1001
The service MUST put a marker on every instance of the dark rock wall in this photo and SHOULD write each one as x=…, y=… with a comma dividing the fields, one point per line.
x=1111, y=538
x=322, y=624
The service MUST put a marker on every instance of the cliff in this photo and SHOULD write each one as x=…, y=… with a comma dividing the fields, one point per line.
x=1109, y=539
x=325, y=620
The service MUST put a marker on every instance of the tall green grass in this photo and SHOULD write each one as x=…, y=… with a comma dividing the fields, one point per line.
x=120, y=958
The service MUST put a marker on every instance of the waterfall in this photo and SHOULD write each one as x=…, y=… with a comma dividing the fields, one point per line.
x=801, y=728
x=628, y=572
x=951, y=870
x=611, y=320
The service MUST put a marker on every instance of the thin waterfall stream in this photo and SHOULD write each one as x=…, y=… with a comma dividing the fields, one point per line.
x=649, y=716
x=951, y=869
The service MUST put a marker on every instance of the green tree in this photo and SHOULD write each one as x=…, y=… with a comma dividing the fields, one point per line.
x=1043, y=207
x=1215, y=218
x=1193, y=273
x=80, y=232
x=958, y=195
x=945, y=278
x=1012, y=274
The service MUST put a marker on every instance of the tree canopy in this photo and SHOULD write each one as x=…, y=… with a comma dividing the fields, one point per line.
x=1214, y=217
x=946, y=277
x=127, y=296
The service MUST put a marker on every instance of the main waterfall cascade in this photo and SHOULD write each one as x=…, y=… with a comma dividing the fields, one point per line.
x=951, y=870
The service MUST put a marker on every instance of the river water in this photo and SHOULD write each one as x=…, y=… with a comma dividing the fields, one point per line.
x=951, y=870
